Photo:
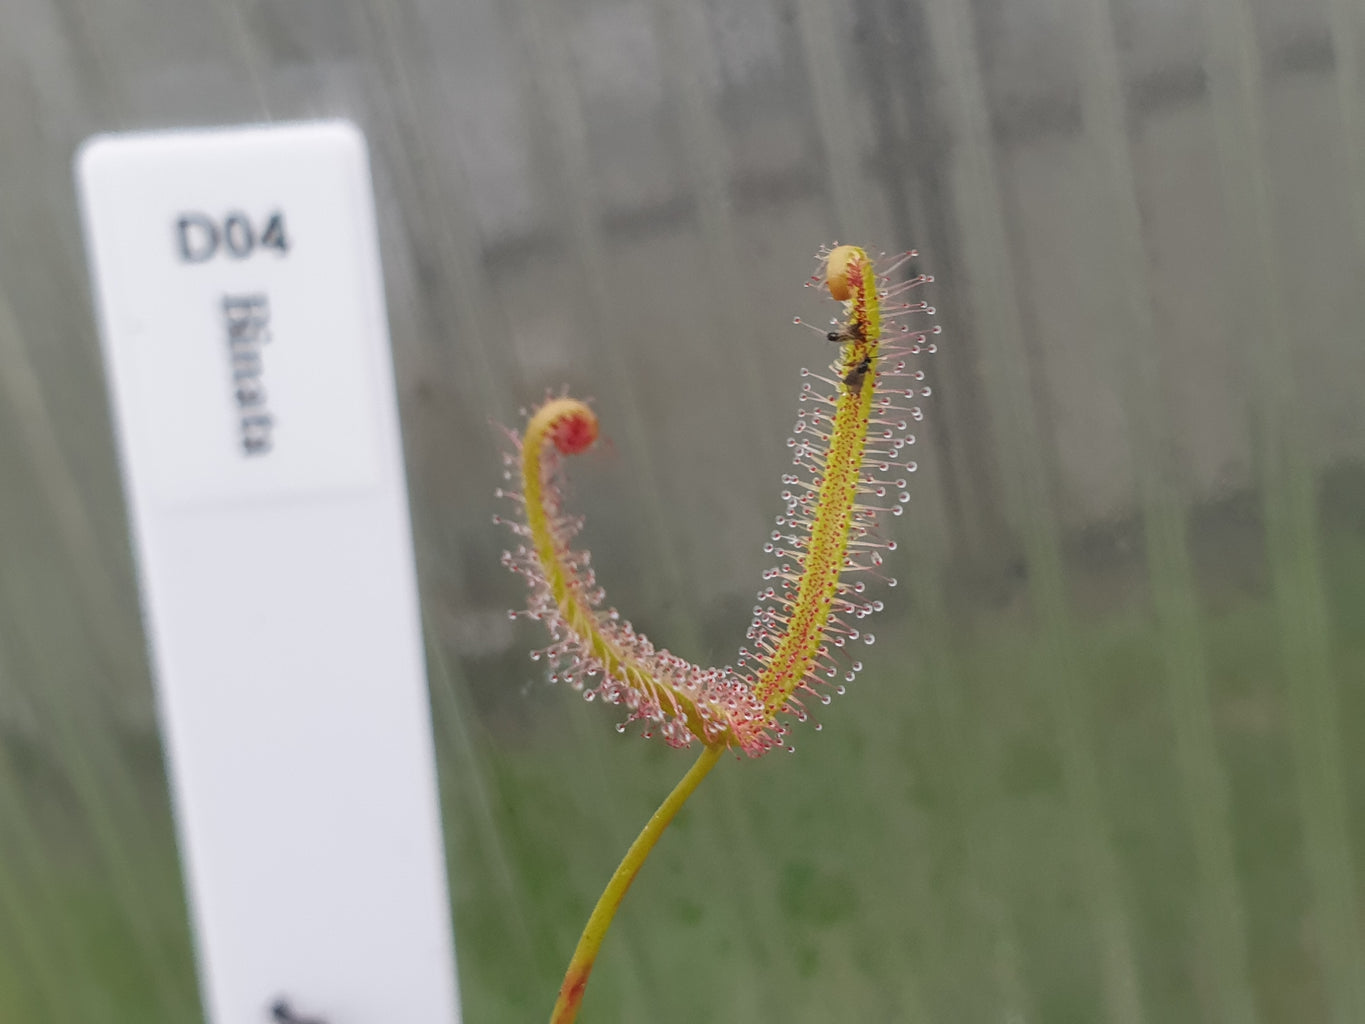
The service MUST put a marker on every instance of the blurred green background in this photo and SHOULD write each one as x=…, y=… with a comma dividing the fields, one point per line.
x=1101, y=765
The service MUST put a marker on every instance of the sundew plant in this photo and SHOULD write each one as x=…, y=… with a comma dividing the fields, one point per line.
x=851, y=463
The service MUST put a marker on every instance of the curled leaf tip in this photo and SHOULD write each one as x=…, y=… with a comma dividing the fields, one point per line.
x=841, y=266
x=571, y=425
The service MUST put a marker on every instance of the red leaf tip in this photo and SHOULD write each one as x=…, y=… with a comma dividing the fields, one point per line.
x=575, y=431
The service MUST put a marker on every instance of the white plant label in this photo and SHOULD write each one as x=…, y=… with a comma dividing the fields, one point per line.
x=236, y=274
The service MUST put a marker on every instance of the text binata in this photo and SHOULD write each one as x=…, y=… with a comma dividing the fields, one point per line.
x=247, y=320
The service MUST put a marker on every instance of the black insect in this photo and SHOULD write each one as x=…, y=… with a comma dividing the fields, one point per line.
x=854, y=378
x=849, y=332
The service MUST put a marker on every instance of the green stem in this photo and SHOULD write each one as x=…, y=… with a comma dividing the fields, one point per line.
x=576, y=977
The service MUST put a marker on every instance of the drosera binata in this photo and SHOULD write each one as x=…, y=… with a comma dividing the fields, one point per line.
x=850, y=455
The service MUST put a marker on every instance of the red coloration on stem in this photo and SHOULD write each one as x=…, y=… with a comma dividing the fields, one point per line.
x=571, y=994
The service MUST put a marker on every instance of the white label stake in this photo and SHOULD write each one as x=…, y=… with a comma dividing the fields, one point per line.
x=242, y=316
